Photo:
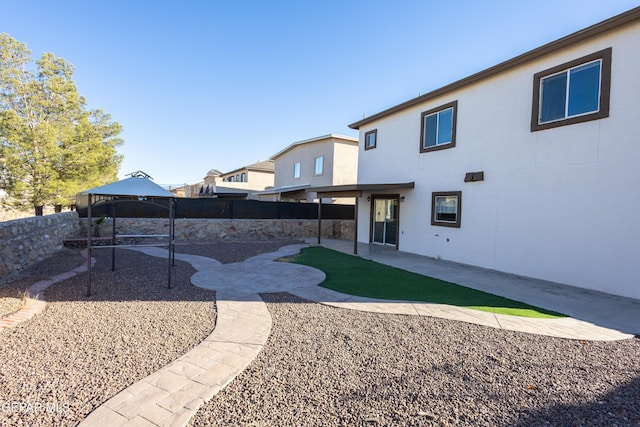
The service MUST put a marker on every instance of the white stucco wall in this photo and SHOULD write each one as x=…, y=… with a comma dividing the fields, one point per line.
x=559, y=204
x=345, y=163
x=340, y=163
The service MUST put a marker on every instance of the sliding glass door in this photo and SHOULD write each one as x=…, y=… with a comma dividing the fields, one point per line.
x=385, y=221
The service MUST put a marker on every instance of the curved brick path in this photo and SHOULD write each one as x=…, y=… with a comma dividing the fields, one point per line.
x=172, y=395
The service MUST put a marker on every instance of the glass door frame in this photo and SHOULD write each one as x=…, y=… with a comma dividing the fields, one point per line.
x=375, y=197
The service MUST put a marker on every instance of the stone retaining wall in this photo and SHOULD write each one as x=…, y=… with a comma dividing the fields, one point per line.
x=213, y=229
x=24, y=242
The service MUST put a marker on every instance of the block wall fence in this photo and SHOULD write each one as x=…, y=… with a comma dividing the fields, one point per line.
x=24, y=242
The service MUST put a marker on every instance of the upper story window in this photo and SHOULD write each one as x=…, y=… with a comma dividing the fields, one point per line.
x=575, y=92
x=319, y=165
x=296, y=170
x=370, y=139
x=438, y=128
x=243, y=177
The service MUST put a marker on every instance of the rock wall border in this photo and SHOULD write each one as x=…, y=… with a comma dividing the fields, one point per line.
x=202, y=229
x=26, y=241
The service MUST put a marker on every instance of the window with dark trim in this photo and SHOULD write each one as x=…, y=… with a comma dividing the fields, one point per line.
x=445, y=208
x=575, y=92
x=438, y=128
x=371, y=139
x=318, y=165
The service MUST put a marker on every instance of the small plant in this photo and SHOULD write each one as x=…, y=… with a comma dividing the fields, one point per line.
x=97, y=230
x=12, y=301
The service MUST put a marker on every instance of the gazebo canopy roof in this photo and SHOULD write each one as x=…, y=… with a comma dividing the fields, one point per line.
x=134, y=186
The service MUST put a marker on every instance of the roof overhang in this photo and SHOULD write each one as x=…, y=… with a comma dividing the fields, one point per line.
x=223, y=194
x=284, y=190
x=356, y=190
x=343, y=138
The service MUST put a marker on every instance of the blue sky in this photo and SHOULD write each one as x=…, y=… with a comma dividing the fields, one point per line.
x=199, y=85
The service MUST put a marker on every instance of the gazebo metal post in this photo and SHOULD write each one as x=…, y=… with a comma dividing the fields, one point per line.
x=89, y=245
x=170, y=242
x=113, y=236
x=173, y=234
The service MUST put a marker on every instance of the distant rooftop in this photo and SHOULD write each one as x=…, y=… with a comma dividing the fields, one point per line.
x=348, y=139
x=263, y=166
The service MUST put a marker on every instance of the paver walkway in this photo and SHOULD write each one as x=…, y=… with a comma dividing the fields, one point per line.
x=170, y=396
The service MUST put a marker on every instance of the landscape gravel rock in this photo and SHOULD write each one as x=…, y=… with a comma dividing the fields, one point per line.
x=66, y=361
x=322, y=366
x=13, y=288
x=326, y=366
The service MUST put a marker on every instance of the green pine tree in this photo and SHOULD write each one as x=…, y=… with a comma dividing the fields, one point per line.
x=51, y=146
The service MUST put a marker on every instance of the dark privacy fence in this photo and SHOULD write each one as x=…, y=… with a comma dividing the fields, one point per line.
x=212, y=208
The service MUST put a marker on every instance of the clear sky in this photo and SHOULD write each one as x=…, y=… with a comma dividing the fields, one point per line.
x=200, y=85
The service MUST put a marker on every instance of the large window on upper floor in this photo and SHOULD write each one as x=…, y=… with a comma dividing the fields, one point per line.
x=318, y=168
x=296, y=170
x=438, y=128
x=575, y=92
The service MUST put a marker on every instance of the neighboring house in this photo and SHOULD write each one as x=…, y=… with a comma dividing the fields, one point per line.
x=191, y=190
x=246, y=181
x=529, y=167
x=179, y=191
x=325, y=160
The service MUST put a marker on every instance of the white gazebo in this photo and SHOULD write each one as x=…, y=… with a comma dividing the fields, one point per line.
x=140, y=189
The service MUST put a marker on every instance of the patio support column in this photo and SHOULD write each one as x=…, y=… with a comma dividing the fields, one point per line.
x=355, y=225
x=319, y=219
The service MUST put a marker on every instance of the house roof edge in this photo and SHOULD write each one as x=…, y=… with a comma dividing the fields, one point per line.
x=317, y=138
x=573, y=38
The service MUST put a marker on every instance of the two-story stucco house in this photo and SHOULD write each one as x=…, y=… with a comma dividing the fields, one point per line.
x=322, y=161
x=246, y=181
x=530, y=167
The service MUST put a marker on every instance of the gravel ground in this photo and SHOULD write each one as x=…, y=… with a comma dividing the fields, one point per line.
x=14, y=287
x=321, y=365
x=325, y=366
x=80, y=351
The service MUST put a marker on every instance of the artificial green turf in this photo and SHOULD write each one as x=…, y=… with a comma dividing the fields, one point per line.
x=357, y=276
